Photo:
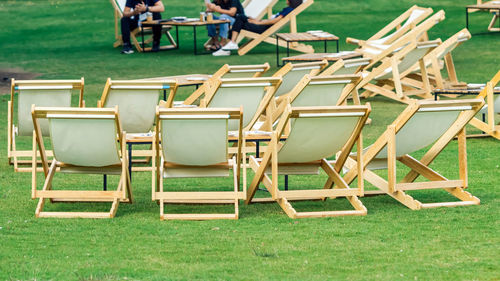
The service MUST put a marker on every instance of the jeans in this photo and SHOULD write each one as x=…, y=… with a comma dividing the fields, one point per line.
x=223, y=28
x=129, y=24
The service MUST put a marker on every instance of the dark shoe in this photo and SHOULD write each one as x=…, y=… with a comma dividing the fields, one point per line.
x=156, y=47
x=127, y=49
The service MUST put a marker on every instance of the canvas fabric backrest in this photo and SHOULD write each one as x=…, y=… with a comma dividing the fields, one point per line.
x=496, y=105
x=195, y=142
x=248, y=95
x=320, y=93
x=350, y=67
x=121, y=4
x=85, y=142
x=256, y=8
x=53, y=96
x=461, y=38
x=241, y=73
x=137, y=107
x=422, y=130
x=408, y=61
x=413, y=16
x=314, y=138
x=290, y=79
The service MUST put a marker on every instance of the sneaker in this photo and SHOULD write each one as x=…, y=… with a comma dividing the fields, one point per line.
x=156, y=47
x=221, y=53
x=127, y=49
x=231, y=46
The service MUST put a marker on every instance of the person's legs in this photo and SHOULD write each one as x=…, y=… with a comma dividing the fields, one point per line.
x=127, y=24
x=224, y=28
x=240, y=24
x=156, y=33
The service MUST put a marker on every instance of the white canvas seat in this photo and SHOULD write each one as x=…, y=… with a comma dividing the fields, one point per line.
x=291, y=73
x=346, y=67
x=24, y=93
x=257, y=9
x=490, y=109
x=316, y=134
x=420, y=125
x=84, y=141
x=137, y=101
x=193, y=143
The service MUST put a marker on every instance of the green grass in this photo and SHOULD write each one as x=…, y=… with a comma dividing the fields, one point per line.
x=70, y=39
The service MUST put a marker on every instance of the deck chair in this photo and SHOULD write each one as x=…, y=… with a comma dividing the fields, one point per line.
x=421, y=124
x=24, y=93
x=255, y=38
x=84, y=141
x=137, y=101
x=258, y=9
x=433, y=63
x=491, y=108
x=389, y=74
x=316, y=134
x=253, y=94
x=119, y=6
x=291, y=73
x=193, y=143
x=397, y=28
x=228, y=71
x=346, y=67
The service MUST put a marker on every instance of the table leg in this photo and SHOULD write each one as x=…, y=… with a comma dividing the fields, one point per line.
x=142, y=37
x=104, y=182
x=467, y=18
x=177, y=36
x=338, y=49
x=277, y=52
x=194, y=36
x=130, y=160
x=286, y=182
x=324, y=42
x=287, y=49
x=165, y=95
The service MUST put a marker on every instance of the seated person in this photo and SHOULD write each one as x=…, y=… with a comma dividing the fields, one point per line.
x=228, y=10
x=253, y=25
x=130, y=21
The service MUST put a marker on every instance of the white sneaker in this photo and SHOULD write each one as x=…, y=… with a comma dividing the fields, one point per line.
x=231, y=46
x=221, y=53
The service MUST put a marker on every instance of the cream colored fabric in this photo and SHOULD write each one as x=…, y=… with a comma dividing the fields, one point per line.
x=121, y=4
x=290, y=80
x=315, y=138
x=408, y=61
x=196, y=172
x=296, y=170
x=233, y=97
x=85, y=142
x=194, y=142
x=413, y=16
x=40, y=98
x=137, y=108
x=256, y=7
x=239, y=74
x=423, y=129
x=319, y=95
x=496, y=106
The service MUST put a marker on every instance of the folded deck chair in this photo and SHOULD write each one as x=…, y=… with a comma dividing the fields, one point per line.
x=388, y=75
x=346, y=67
x=119, y=6
x=316, y=134
x=24, y=93
x=253, y=94
x=228, y=71
x=433, y=63
x=193, y=143
x=421, y=124
x=84, y=141
x=255, y=38
x=258, y=9
x=490, y=110
x=137, y=101
x=397, y=28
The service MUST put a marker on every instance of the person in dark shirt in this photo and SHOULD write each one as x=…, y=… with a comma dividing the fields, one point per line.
x=228, y=10
x=253, y=25
x=130, y=21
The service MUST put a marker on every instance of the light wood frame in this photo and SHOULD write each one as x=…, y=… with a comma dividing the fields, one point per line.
x=332, y=168
x=123, y=193
x=256, y=38
x=397, y=190
x=489, y=127
x=118, y=14
x=254, y=70
x=16, y=157
x=210, y=197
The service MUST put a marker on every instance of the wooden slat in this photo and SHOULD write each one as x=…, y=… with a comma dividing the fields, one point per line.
x=317, y=193
x=86, y=215
x=76, y=194
x=198, y=216
x=430, y=185
x=214, y=195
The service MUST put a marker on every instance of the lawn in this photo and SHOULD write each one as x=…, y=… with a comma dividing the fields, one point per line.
x=70, y=39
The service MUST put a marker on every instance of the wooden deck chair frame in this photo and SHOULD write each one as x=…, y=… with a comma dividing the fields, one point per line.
x=432, y=62
x=23, y=157
x=397, y=27
x=123, y=192
x=255, y=38
x=489, y=127
x=397, y=190
x=271, y=85
x=255, y=70
x=268, y=9
x=118, y=14
x=160, y=165
x=147, y=87
x=332, y=169
x=393, y=87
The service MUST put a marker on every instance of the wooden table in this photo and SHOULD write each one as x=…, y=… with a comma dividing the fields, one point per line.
x=488, y=6
x=331, y=57
x=193, y=23
x=302, y=37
